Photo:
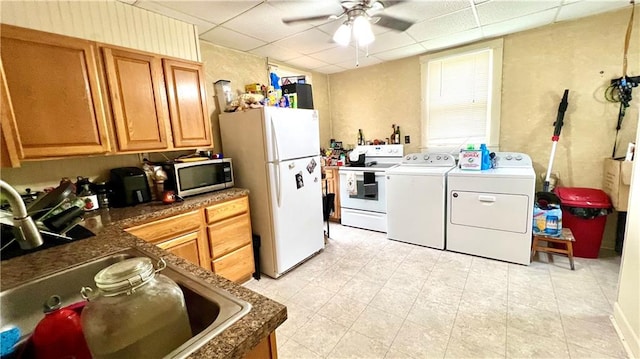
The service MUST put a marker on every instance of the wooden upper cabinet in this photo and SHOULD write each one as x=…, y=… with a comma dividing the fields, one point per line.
x=186, y=95
x=136, y=90
x=9, y=142
x=54, y=85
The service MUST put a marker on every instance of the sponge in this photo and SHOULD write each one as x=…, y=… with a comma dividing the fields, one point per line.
x=9, y=336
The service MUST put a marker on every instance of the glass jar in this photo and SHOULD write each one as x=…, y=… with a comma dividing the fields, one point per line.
x=136, y=312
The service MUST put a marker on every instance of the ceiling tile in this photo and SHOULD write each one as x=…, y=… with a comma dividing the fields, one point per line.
x=304, y=8
x=420, y=10
x=362, y=62
x=390, y=40
x=307, y=42
x=263, y=22
x=399, y=53
x=451, y=40
x=502, y=10
x=275, y=52
x=335, y=55
x=519, y=24
x=213, y=11
x=231, y=39
x=448, y=24
x=585, y=8
x=202, y=25
x=331, y=69
x=306, y=62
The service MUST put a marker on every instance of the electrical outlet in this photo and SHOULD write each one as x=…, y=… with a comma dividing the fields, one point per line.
x=407, y=139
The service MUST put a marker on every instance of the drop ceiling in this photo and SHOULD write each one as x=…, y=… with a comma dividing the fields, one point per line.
x=256, y=27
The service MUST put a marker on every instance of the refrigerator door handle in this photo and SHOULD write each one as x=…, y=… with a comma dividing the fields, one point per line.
x=274, y=134
x=279, y=186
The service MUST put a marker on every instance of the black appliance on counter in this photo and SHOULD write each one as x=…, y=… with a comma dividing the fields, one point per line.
x=129, y=186
x=303, y=96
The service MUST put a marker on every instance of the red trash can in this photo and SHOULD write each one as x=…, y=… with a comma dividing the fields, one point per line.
x=584, y=211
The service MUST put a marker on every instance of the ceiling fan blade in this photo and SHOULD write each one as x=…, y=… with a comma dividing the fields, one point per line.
x=391, y=22
x=294, y=20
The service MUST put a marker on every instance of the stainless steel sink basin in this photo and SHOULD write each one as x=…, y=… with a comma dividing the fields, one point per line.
x=211, y=310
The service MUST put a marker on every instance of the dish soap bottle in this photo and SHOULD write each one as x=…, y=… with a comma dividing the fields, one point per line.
x=89, y=197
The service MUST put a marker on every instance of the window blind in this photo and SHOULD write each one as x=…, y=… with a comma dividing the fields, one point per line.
x=459, y=99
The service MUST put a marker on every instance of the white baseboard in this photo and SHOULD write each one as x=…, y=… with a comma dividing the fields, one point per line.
x=629, y=338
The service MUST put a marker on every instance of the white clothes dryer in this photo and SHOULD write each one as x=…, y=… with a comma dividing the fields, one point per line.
x=416, y=199
x=490, y=212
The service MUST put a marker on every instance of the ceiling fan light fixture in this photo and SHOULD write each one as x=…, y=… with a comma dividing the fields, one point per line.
x=342, y=36
x=362, y=31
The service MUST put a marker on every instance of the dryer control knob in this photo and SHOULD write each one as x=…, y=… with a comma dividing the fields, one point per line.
x=426, y=157
x=518, y=158
x=438, y=158
x=509, y=157
x=446, y=158
x=415, y=158
x=408, y=157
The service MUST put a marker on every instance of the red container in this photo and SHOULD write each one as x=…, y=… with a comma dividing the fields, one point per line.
x=587, y=231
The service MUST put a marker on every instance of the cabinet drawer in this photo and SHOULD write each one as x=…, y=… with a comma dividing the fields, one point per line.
x=328, y=173
x=237, y=265
x=167, y=228
x=227, y=209
x=229, y=235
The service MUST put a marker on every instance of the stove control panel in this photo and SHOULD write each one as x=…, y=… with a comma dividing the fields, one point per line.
x=429, y=159
x=380, y=150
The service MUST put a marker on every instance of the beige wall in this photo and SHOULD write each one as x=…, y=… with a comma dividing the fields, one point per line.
x=581, y=55
x=242, y=68
x=375, y=97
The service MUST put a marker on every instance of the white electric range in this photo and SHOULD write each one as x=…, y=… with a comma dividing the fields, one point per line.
x=363, y=195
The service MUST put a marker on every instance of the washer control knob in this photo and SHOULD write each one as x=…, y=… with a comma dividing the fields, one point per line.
x=426, y=157
x=408, y=157
x=509, y=157
x=438, y=158
x=446, y=158
x=415, y=157
x=518, y=158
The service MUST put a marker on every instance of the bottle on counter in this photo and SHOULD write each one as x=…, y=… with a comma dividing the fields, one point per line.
x=89, y=198
x=360, y=137
x=397, y=135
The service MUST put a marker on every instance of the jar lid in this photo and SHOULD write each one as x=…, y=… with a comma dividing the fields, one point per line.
x=125, y=275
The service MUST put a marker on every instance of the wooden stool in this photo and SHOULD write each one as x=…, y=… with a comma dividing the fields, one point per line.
x=566, y=238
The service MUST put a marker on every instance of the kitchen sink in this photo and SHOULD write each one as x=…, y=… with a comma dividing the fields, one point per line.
x=211, y=310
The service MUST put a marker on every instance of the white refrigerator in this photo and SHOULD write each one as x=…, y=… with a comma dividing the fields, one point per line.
x=275, y=154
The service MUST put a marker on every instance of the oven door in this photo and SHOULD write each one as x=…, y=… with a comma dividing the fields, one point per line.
x=365, y=199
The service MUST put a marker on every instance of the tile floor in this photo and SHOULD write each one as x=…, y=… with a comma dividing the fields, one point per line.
x=365, y=296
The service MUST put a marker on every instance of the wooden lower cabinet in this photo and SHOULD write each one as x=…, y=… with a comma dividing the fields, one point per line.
x=331, y=184
x=182, y=235
x=266, y=349
x=230, y=240
x=217, y=237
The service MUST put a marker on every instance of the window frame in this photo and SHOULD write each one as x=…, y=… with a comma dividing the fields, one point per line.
x=495, y=95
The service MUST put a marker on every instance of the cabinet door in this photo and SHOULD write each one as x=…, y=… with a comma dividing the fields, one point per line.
x=236, y=266
x=9, y=143
x=229, y=235
x=187, y=247
x=186, y=95
x=55, y=91
x=136, y=90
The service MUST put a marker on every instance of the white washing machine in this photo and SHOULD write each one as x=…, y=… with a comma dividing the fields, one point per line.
x=490, y=212
x=416, y=199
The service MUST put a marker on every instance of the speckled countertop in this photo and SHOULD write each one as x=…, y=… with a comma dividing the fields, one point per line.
x=265, y=315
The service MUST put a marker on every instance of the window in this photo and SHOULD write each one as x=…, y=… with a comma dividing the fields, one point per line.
x=461, y=91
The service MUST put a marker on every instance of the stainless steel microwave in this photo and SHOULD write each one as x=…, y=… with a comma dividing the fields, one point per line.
x=191, y=178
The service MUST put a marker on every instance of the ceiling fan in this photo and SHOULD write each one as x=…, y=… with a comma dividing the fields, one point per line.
x=368, y=9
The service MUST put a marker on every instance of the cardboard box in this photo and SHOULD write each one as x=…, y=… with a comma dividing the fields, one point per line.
x=616, y=182
x=470, y=160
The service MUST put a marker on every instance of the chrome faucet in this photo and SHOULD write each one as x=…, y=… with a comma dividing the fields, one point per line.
x=25, y=230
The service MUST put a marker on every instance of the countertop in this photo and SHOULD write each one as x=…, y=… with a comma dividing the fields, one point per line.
x=108, y=224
